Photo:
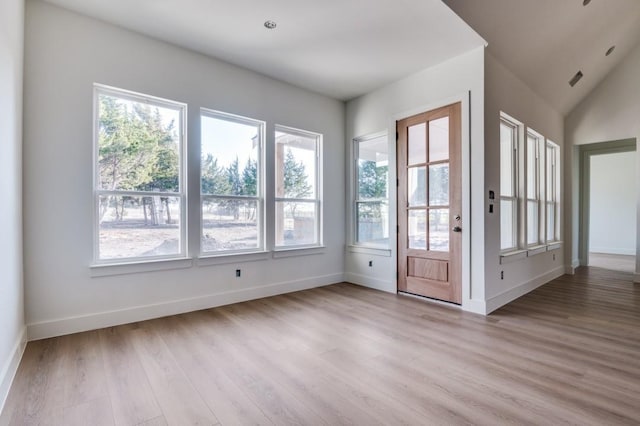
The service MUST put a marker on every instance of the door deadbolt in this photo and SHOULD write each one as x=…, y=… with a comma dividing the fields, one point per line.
x=456, y=229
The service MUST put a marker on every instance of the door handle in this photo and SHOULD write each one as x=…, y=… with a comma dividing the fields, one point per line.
x=456, y=229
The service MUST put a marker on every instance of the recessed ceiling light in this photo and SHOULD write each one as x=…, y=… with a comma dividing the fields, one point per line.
x=610, y=50
x=576, y=78
x=585, y=2
x=270, y=24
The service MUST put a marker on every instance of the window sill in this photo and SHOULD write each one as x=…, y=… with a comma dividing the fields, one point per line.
x=110, y=269
x=554, y=246
x=512, y=256
x=532, y=251
x=226, y=258
x=372, y=250
x=281, y=253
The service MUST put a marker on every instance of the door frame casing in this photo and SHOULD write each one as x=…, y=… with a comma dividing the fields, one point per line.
x=585, y=153
x=470, y=302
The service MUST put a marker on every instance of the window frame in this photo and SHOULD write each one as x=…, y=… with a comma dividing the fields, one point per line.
x=259, y=198
x=553, y=196
x=516, y=142
x=356, y=193
x=538, y=175
x=131, y=96
x=317, y=201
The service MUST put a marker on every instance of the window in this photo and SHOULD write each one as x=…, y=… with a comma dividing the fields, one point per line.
x=231, y=184
x=553, y=193
x=138, y=177
x=297, y=195
x=534, y=188
x=529, y=189
x=371, y=191
x=509, y=132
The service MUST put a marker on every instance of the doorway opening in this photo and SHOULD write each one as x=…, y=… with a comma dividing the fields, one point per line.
x=608, y=210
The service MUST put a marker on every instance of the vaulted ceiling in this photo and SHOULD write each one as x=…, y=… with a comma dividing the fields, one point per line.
x=341, y=48
x=545, y=42
x=345, y=48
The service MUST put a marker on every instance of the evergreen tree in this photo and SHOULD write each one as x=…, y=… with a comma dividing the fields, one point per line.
x=296, y=183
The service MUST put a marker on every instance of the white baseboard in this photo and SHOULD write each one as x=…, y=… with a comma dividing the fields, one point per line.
x=507, y=296
x=10, y=368
x=476, y=306
x=613, y=250
x=59, y=327
x=370, y=282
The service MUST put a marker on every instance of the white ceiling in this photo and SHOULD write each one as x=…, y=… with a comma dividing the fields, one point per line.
x=545, y=42
x=341, y=48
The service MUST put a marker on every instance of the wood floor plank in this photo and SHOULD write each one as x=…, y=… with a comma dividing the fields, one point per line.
x=180, y=402
x=567, y=353
x=131, y=395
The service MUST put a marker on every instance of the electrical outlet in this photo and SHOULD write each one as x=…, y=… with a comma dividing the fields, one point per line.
x=502, y=275
x=237, y=273
x=370, y=263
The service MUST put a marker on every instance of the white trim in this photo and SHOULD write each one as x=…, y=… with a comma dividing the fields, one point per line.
x=370, y=282
x=613, y=250
x=374, y=251
x=513, y=293
x=513, y=256
x=62, y=326
x=532, y=251
x=226, y=258
x=10, y=368
x=475, y=306
x=106, y=269
x=297, y=251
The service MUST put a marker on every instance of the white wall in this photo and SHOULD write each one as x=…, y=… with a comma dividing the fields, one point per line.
x=65, y=54
x=456, y=79
x=505, y=92
x=610, y=112
x=12, y=334
x=612, y=224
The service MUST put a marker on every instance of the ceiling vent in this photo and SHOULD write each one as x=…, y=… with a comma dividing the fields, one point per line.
x=576, y=78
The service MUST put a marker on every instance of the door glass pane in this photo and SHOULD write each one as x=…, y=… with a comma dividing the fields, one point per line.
x=439, y=230
x=507, y=218
x=417, y=229
x=439, y=185
x=439, y=139
x=417, y=144
x=416, y=187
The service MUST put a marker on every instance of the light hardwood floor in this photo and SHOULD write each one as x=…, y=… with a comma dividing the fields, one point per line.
x=616, y=262
x=567, y=353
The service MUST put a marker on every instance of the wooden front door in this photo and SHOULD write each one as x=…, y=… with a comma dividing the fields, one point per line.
x=430, y=222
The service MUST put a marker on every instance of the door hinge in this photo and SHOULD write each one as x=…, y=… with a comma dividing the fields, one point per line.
x=397, y=275
x=397, y=182
x=397, y=136
x=397, y=229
